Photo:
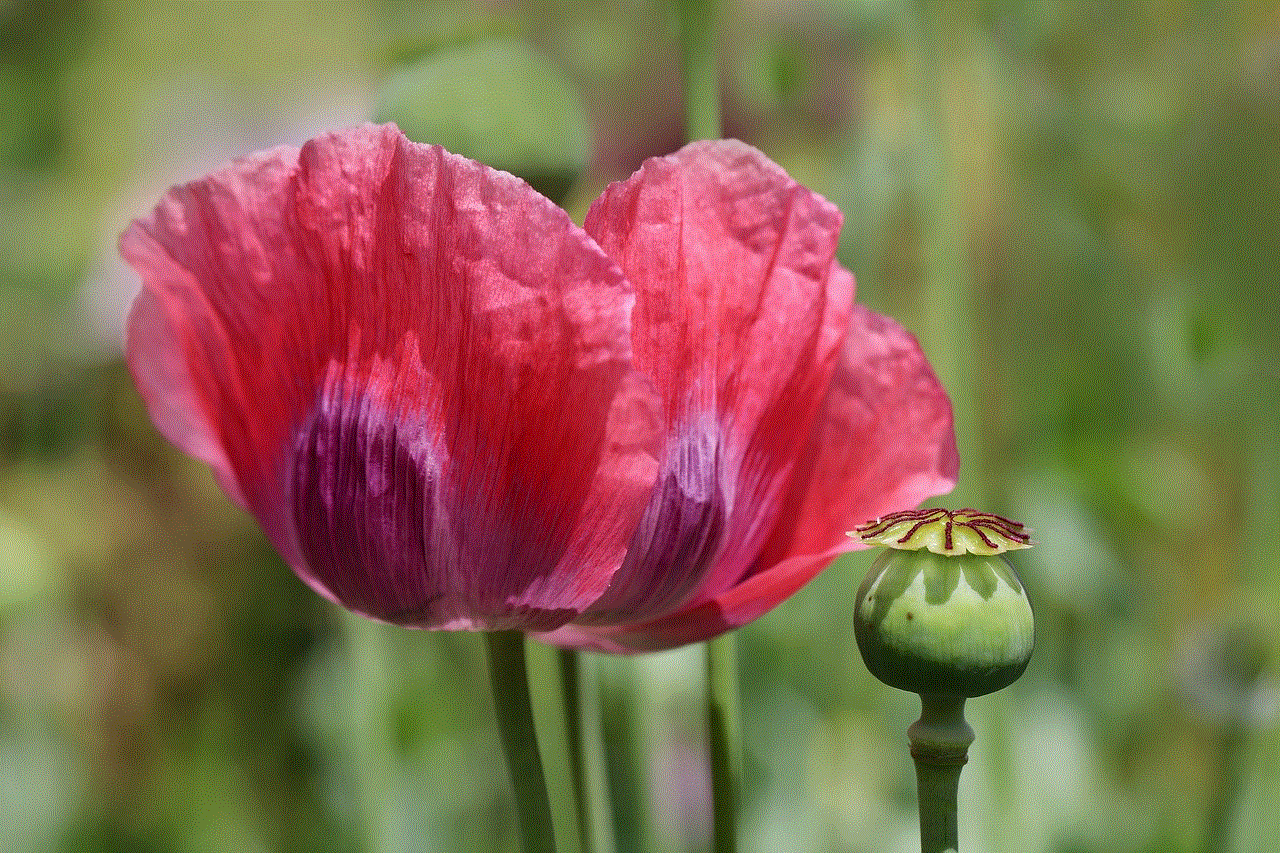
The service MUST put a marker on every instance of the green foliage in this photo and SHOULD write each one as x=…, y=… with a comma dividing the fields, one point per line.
x=495, y=101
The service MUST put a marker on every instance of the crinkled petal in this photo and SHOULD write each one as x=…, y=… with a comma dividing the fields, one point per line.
x=885, y=442
x=738, y=323
x=408, y=366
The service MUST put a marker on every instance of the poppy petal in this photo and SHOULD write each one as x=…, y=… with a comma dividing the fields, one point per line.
x=737, y=322
x=413, y=369
x=885, y=442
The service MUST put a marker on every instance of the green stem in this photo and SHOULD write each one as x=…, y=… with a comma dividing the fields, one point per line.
x=584, y=741
x=1217, y=834
x=514, y=711
x=950, y=292
x=370, y=744
x=698, y=43
x=643, y=724
x=698, y=37
x=571, y=691
x=940, y=747
x=724, y=740
x=948, y=289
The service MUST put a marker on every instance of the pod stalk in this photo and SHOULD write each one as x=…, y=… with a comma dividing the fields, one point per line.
x=940, y=748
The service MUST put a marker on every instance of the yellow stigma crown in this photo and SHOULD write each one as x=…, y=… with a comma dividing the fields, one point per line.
x=945, y=531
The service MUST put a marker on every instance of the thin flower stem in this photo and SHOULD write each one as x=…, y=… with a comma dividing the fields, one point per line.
x=698, y=35
x=1217, y=833
x=569, y=668
x=514, y=710
x=951, y=292
x=584, y=741
x=369, y=686
x=698, y=43
x=724, y=740
x=940, y=747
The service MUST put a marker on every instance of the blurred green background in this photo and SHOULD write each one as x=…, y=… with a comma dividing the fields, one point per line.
x=1075, y=206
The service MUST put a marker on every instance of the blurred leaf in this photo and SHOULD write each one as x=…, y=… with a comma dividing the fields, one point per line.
x=497, y=102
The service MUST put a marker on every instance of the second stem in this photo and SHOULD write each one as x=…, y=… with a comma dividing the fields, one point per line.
x=940, y=747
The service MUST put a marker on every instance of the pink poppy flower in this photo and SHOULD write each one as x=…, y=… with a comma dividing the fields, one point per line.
x=450, y=407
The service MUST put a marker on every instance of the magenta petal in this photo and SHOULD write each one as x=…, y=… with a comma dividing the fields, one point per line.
x=193, y=340
x=737, y=322
x=885, y=442
x=704, y=620
x=159, y=369
x=411, y=368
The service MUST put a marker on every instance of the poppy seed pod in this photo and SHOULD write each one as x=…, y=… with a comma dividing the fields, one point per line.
x=942, y=612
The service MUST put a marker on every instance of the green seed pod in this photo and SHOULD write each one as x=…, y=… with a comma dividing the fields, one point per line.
x=942, y=612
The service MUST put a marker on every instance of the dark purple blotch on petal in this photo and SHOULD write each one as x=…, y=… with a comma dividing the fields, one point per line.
x=679, y=537
x=363, y=505
x=391, y=527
